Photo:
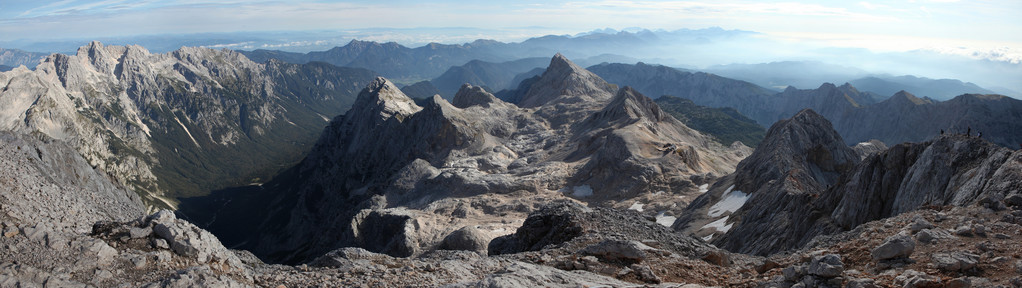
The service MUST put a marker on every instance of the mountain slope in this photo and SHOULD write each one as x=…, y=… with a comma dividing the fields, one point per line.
x=726, y=124
x=580, y=139
x=180, y=123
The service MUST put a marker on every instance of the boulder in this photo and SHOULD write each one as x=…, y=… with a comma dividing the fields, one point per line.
x=188, y=240
x=618, y=250
x=553, y=224
x=912, y=279
x=467, y=238
x=826, y=266
x=955, y=261
x=896, y=246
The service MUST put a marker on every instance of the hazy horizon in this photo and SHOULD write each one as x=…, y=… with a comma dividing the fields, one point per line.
x=966, y=40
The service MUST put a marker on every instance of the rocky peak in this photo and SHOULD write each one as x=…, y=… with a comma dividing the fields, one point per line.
x=805, y=141
x=905, y=98
x=470, y=95
x=381, y=97
x=629, y=105
x=563, y=81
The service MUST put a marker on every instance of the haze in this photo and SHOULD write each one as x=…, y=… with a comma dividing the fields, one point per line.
x=871, y=36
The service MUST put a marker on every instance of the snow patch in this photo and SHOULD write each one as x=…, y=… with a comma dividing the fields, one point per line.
x=732, y=200
x=719, y=225
x=703, y=188
x=707, y=238
x=665, y=220
x=637, y=206
x=582, y=191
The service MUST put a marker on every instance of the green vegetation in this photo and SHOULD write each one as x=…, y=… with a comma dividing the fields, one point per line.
x=725, y=124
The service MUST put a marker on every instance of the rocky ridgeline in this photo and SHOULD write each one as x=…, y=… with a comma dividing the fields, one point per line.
x=171, y=123
x=822, y=187
x=391, y=161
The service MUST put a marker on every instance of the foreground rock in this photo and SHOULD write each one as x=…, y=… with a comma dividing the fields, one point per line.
x=824, y=189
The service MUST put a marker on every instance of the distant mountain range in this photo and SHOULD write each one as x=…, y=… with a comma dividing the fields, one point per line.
x=859, y=116
x=938, y=89
x=11, y=58
x=804, y=74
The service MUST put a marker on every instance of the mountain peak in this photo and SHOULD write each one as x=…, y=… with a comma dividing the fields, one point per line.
x=382, y=97
x=470, y=95
x=565, y=79
x=907, y=98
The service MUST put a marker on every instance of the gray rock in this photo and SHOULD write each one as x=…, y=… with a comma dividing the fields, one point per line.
x=826, y=266
x=136, y=232
x=160, y=243
x=861, y=283
x=896, y=246
x=187, y=240
x=467, y=238
x=912, y=279
x=918, y=224
x=955, y=261
x=616, y=250
x=199, y=276
x=932, y=235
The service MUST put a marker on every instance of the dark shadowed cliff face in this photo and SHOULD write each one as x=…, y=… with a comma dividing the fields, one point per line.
x=392, y=170
x=799, y=159
x=801, y=187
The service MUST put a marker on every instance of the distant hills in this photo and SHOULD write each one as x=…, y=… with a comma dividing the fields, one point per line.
x=939, y=89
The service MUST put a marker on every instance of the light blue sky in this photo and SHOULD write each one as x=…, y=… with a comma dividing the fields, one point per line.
x=873, y=24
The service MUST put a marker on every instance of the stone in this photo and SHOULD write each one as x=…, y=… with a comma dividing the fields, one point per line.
x=896, y=246
x=468, y=238
x=718, y=257
x=955, y=261
x=861, y=283
x=617, y=250
x=136, y=232
x=793, y=273
x=160, y=243
x=187, y=240
x=826, y=266
x=918, y=224
x=644, y=274
x=932, y=235
x=913, y=279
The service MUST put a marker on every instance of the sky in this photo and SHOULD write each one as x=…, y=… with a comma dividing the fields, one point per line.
x=979, y=25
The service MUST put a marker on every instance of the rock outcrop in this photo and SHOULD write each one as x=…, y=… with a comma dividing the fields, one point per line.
x=827, y=190
x=46, y=182
x=799, y=159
